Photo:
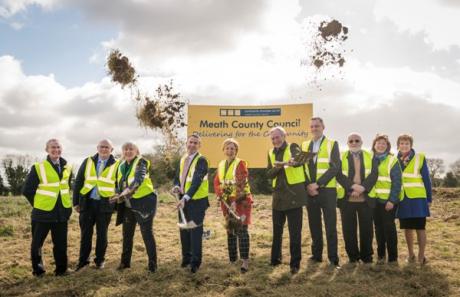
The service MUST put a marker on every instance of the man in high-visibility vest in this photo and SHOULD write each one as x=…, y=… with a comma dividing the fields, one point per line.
x=94, y=185
x=289, y=196
x=192, y=183
x=47, y=189
x=321, y=173
x=356, y=199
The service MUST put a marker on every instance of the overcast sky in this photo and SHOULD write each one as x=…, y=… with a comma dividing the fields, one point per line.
x=402, y=70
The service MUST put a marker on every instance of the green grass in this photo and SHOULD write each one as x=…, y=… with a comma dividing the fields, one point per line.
x=441, y=277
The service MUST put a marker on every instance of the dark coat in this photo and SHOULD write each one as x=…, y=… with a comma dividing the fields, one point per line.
x=286, y=196
x=143, y=207
x=59, y=213
x=82, y=200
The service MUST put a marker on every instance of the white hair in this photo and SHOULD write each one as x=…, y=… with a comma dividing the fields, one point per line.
x=278, y=128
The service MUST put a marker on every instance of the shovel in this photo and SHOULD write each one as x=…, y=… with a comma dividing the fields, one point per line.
x=232, y=212
x=184, y=224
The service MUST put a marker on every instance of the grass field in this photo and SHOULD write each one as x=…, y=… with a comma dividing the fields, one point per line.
x=441, y=277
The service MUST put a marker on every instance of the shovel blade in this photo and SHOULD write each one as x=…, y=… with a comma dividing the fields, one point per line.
x=188, y=225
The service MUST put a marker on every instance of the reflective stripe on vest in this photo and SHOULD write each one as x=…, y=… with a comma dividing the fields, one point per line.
x=294, y=175
x=146, y=187
x=203, y=190
x=383, y=185
x=229, y=178
x=412, y=178
x=322, y=161
x=105, y=182
x=50, y=186
x=367, y=158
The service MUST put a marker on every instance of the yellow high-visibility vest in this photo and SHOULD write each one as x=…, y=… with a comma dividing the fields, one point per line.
x=382, y=187
x=105, y=182
x=412, y=178
x=51, y=186
x=294, y=175
x=146, y=187
x=322, y=161
x=228, y=177
x=367, y=158
x=203, y=190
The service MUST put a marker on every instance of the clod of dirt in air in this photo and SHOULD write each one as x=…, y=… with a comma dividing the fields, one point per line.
x=164, y=111
x=327, y=44
x=120, y=69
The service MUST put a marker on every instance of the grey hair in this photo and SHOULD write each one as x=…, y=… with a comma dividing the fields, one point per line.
x=355, y=134
x=106, y=140
x=278, y=128
x=51, y=141
x=130, y=144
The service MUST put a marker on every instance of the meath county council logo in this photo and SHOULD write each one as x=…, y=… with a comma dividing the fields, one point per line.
x=256, y=112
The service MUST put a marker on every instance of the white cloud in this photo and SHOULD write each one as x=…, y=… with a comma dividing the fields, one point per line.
x=435, y=20
x=8, y=8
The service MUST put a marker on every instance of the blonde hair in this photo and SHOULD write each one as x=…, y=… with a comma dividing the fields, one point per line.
x=405, y=137
x=230, y=141
x=132, y=145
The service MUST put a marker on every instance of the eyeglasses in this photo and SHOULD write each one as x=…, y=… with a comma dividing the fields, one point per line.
x=354, y=141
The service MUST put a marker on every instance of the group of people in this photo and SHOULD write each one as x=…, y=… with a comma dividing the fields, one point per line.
x=371, y=189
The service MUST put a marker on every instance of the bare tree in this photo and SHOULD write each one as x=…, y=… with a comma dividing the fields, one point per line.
x=456, y=168
x=437, y=168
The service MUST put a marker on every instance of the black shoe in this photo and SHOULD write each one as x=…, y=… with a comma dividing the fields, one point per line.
x=184, y=264
x=152, y=267
x=275, y=263
x=39, y=273
x=335, y=265
x=81, y=266
x=294, y=270
x=194, y=269
x=123, y=266
x=61, y=273
x=315, y=260
x=100, y=265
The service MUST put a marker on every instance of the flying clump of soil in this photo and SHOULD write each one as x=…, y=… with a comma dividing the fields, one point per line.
x=165, y=110
x=327, y=44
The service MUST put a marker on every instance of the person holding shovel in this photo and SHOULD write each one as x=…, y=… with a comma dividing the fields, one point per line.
x=232, y=188
x=137, y=203
x=289, y=196
x=192, y=187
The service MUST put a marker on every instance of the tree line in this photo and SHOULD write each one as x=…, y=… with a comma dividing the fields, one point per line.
x=14, y=169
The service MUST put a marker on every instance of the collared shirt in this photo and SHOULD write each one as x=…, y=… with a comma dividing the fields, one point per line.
x=99, y=168
x=316, y=146
x=187, y=163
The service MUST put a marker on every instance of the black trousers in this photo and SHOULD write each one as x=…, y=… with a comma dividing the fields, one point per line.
x=324, y=204
x=294, y=217
x=192, y=239
x=88, y=218
x=146, y=226
x=357, y=215
x=385, y=232
x=59, y=237
x=239, y=239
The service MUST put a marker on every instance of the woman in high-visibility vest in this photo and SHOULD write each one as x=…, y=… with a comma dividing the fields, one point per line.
x=387, y=193
x=231, y=184
x=414, y=208
x=138, y=206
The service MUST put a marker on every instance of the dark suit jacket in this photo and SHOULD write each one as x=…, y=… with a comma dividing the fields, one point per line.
x=368, y=182
x=286, y=196
x=201, y=170
x=145, y=205
x=82, y=200
x=59, y=213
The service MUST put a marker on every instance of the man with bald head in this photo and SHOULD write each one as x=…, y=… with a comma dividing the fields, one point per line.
x=94, y=185
x=47, y=189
